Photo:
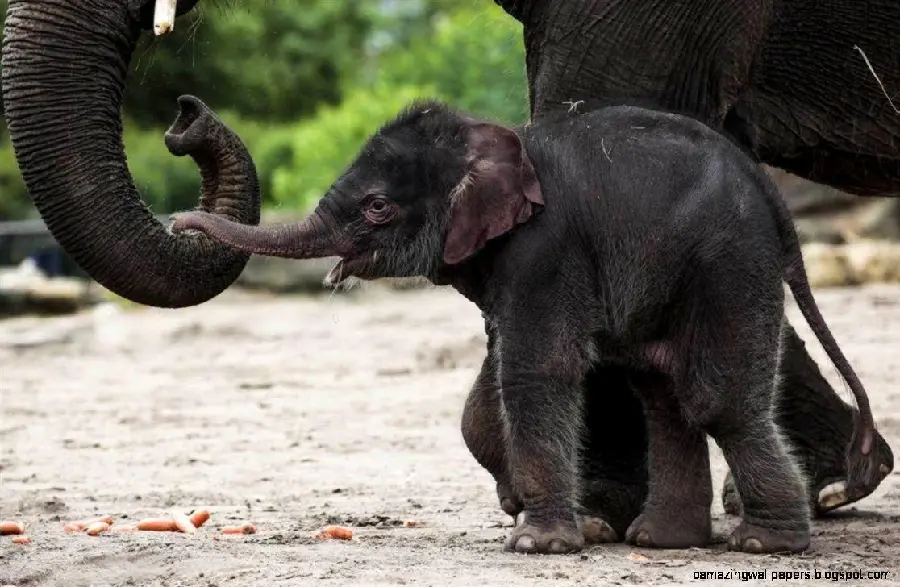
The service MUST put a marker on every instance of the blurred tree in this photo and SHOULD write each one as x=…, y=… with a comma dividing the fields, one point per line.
x=397, y=22
x=474, y=56
x=323, y=146
x=471, y=56
x=264, y=59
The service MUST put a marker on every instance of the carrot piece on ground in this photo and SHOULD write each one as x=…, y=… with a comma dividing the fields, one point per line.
x=183, y=522
x=157, y=525
x=199, y=517
x=336, y=532
x=96, y=528
x=21, y=539
x=245, y=528
x=11, y=528
x=79, y=525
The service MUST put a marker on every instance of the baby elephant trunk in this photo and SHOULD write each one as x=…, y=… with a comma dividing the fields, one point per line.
x=308, y=239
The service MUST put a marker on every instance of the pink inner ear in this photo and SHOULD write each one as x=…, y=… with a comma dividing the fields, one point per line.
x=499, y=192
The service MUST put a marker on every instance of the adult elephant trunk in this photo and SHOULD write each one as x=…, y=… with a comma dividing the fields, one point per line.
x=64, y=68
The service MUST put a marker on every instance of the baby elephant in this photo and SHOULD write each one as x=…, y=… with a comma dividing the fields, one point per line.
x=621, y=237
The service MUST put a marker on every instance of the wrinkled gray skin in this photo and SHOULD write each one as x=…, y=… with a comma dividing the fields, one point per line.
x=781, y=77
x=668, y=263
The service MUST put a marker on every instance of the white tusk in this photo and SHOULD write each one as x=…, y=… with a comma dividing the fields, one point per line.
x=164, y=16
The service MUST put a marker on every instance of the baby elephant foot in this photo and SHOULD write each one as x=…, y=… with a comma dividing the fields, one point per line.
x=533, y=536
x=598, y=531
x=671, y=528
x=758, y=540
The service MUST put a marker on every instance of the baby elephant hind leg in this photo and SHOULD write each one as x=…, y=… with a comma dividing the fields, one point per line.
x=776, y=512
x=677, y=511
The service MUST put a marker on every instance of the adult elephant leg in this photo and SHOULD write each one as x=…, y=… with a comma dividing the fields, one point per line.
x=818, y=425
x=613, y=465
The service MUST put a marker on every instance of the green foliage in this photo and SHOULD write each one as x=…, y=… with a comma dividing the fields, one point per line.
x=326, y=144
x=472, y=58
x=270, y=60
x=475, y=58
x=168, y=183
x=14, y=200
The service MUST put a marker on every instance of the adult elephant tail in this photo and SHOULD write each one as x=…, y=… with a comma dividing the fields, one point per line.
x=64, y=68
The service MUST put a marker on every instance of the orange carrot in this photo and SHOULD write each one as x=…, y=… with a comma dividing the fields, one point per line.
x=11, y=528
x=96, y=528
x=336, y=532
x=21, y=539
x=183, y=522
x=199, y=517
x=157, y=525
x=79, y=525
x=245, y=528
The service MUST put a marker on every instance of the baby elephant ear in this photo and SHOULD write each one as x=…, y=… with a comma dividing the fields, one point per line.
x=499, y=191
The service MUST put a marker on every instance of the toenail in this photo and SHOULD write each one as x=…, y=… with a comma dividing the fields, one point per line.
x=833, y=495
x=753, y=545
x=557, y=546
x=643, y=539
x=884, y=469
x=596, y=530
x=525, y=544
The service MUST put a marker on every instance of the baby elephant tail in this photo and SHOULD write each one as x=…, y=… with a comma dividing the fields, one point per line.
x=862, y=465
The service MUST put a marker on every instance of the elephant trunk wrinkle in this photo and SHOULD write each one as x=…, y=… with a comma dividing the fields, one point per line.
x=308, y=239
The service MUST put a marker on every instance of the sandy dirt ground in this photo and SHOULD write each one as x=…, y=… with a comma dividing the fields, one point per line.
x=298, y=412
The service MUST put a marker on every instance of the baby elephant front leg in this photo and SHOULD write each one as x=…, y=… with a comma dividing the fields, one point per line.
x=542, y=410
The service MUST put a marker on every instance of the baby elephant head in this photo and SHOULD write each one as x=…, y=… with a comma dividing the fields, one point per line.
x=429, y=189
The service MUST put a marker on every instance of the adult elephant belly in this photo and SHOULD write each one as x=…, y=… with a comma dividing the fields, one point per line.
x=787, y=83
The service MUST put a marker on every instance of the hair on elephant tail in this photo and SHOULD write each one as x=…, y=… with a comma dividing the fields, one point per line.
x=862, y=463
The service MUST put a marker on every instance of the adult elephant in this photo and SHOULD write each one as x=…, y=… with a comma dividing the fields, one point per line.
x=781, y=77
x=793, y=82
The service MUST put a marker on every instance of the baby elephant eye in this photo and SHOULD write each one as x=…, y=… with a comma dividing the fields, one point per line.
x=379, y=210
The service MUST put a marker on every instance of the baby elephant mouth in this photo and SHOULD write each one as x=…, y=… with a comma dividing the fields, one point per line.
x=361, y=267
